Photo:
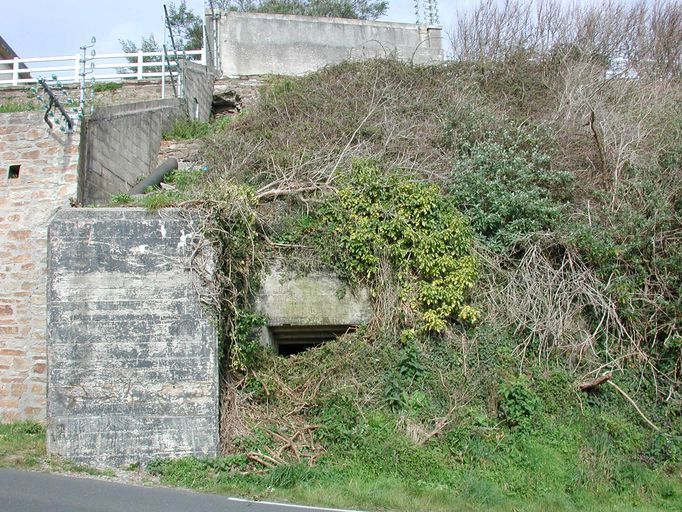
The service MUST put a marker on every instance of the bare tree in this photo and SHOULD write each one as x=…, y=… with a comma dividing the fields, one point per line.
x=646, y=36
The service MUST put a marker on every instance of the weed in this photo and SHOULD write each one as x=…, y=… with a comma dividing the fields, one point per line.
x=519, y=405
x=185, y=129
x=16, y=107
x=22, y=444
x=121, y=199
x=107, y=86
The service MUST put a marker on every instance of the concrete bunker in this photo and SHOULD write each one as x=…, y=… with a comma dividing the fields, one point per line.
x=304, y=311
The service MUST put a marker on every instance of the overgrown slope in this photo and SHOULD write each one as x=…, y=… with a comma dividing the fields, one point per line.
x=519, y=224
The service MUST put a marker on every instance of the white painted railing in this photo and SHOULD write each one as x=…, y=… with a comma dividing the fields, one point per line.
x=107, y=67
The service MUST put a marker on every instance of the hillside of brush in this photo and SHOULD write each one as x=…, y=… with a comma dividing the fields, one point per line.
x=517, y=219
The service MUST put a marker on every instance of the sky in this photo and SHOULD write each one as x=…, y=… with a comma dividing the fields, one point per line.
x=41, y=28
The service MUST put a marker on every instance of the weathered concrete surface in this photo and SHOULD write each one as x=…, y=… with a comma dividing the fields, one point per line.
x=132, y=371
x=257, y=44
x=48, y=161
x=197, y=85
x=120, y=144
x=314, y=299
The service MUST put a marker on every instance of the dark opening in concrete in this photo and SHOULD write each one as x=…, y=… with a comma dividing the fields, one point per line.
x=13, y=173
x=293, y=339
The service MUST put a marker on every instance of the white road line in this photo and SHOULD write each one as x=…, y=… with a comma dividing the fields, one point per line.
x=290, y=505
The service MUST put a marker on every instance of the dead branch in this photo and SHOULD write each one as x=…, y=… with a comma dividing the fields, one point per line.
x=597, y=141
x=627, y=397
x=594, y=383
x=441, y=423
x=256, y=457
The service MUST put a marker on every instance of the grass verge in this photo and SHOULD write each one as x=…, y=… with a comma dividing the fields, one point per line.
x=22, y=445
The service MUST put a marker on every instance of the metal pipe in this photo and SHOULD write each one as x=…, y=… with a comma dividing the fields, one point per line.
x=156, y=176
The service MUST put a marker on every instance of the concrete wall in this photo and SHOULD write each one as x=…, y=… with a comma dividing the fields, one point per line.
x=48, y=161
x=197, y=85
x=120, y=144
x=133, y=371
x=318, y=298
x=257, y=44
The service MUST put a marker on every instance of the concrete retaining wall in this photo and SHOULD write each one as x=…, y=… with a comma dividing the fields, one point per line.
x=120, y=144
x=257, y=44
x=48, y=161
x=133, y=371
x=197, y=90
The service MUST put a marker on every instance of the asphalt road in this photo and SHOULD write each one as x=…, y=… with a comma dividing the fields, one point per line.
x=26, y=491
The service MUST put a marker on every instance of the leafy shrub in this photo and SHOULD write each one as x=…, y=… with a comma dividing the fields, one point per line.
x=417, y=229
x=246, y=351
x=519, y=406
x=503, y=181
x=636, y=249
x=339, y=420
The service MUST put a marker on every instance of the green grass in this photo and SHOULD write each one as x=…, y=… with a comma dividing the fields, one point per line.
x=353, y=484
x=184, y=129
x=22, y=445
x=107, y=86
x=156, y=198
x=6, y=108
x=121, y=199
x=568, y=456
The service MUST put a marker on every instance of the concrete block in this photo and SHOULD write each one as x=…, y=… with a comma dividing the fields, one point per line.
x=260, y=44
x=317, y=298
x=133, y=371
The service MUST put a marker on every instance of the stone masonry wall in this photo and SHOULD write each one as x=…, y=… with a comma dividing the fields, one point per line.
x=120, y=145
x=47, y=175
x=131, y=91
x=132, y=353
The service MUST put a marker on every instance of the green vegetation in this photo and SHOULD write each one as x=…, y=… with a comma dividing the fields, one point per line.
x=505, y=268
x=185, y=129
x=107, y=86
x=22, y=444
x=174, y=190
x=121, y=199
x=490, y=441
x=513, y=251
x=359, y=9
x=516, y=218
x=16, y=107
x=411, y=226
x=187, y=30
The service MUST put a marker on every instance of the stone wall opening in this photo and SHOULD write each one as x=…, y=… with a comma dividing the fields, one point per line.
x=288, y=340
x=13, y=173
